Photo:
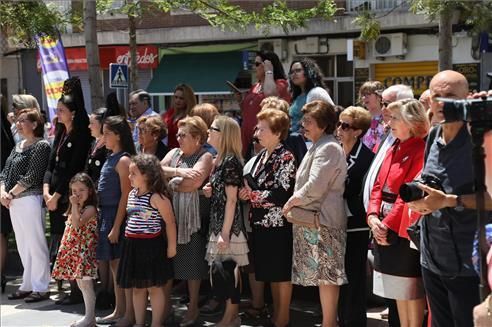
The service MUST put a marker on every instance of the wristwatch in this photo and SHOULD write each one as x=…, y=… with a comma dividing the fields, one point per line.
x=12, y=194
x=269, y=72
x=459, y=204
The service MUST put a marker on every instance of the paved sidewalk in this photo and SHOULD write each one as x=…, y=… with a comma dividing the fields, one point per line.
x=46, y=313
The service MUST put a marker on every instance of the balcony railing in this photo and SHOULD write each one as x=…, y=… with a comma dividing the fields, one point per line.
x=377, y=5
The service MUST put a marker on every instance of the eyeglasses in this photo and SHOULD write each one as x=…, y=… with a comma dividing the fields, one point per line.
x=296, y=71
x=22, y=121
x=214, y=129
x=257, y=63
x=386, y=103
x=181, y=135
x=344, y=125
x=142, y=130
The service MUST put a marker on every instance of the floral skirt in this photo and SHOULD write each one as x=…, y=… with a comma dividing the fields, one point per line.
x=318, y=256
x=237, y=251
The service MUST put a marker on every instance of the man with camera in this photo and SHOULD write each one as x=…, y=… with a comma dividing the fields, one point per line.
x=449, y=221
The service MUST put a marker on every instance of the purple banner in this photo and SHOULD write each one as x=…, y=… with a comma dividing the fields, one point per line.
x=54, y=67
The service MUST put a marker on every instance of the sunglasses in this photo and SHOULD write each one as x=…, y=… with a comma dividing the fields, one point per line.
x=344, y=125
x=296, y=71
x=386, y=103
x=214, y=129
x=181, y=135
x=258, y=63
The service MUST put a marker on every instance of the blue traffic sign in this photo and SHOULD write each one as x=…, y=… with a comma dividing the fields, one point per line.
x=118, y=76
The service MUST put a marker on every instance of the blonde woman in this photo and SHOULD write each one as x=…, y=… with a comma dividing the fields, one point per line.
x=227, y=246
x=397, y=271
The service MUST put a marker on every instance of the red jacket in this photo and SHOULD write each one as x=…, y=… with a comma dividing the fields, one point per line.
x=403, y=162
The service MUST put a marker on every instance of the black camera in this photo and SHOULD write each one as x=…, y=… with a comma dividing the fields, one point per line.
x=470, y=110
x=411, y=192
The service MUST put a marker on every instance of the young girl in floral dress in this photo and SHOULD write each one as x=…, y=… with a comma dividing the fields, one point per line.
x=76, y=257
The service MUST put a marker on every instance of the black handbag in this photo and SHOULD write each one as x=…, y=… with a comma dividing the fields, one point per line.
x=414, y=231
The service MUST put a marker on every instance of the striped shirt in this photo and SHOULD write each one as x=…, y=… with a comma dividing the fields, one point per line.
x=143, y=221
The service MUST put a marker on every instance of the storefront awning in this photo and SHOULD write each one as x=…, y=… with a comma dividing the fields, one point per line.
x=206, y=73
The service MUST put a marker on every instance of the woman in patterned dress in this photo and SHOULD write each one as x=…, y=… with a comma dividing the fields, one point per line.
x=188, y=168
x=318, y=258
x=227, y=245
x=370, y=96
x=273, y=174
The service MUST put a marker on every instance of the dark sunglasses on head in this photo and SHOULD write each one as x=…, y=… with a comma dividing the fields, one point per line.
x=344, y=125
x=214, y=129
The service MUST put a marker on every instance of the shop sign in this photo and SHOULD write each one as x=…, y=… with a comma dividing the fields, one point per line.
x=417, y=75
x=472, y=73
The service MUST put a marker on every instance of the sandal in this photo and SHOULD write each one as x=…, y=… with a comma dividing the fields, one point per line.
x=37, y=297
x=255, y=313
x=19, y=295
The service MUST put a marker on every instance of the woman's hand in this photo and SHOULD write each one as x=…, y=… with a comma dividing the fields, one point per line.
x=379, y=230
x=113, y=236
x=267, y=64
x=292, y=202
x=207, y=190
x=223, y=241
x=74, y=200
x=171, y=251
x=52, y=203
x=244, y=193
x=5, y=199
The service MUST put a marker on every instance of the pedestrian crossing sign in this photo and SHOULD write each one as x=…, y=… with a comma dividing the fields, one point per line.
x=118, y=76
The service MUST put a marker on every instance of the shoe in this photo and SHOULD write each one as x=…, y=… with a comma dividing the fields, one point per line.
x=255, y=313
x=106, y=321
x=210, y=311
x=188, y=323
x=19, y=295
x=70, y=299
x=37, y=297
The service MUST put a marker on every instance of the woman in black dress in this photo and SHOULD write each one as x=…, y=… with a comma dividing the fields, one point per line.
x=67, y=158
x=353, y=123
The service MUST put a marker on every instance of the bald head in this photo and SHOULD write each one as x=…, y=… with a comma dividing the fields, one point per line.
x=446, y=84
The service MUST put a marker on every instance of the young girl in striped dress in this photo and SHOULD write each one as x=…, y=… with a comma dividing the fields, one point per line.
x=149, y=245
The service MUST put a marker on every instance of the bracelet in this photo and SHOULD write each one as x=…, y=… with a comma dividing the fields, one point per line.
x=269, y=72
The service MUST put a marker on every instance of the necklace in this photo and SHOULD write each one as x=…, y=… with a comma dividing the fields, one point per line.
x=63, y=140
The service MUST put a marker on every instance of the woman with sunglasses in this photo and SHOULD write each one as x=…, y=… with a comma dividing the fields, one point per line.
x=151, y=130
x=271, y=81
x=188, y=168
x=352, y=125
x=306, y=84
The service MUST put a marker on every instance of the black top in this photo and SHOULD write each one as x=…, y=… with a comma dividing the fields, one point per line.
x=68, y=157
x=26, y=167
x=7, y=139
x=447, y=234
x=95, y=161
x=358, y=162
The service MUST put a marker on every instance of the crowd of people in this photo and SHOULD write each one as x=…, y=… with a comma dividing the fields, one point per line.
x=296, y=193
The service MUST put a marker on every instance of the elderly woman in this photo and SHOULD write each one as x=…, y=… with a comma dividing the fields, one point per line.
x=151, y=130
x=370, y=96
x=183, y=101
x=306, y=83
x=207, y=112
x=351, y=126
x=188, y=167
x=271, y=183
x=397, y=272
x=318, y=258
x=21, y=188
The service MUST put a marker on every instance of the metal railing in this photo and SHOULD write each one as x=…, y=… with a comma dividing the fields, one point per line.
x=376, y=5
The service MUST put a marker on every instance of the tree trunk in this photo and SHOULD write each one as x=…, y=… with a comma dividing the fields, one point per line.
x=132, y=27
x=92, y=52
x=445, y=40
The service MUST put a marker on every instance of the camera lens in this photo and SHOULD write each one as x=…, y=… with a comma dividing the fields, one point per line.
x=410, y=192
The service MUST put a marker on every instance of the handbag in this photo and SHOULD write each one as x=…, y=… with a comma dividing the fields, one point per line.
x=303, y=217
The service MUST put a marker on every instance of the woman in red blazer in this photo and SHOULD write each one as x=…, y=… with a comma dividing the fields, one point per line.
x=396, y=265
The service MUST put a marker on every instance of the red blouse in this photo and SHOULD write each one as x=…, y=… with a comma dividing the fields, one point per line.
x=172, y=128
x=250, y=106
x=403, y=162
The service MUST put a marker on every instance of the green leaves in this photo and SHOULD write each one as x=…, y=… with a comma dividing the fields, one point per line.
x=22, y=20
x=370, y=27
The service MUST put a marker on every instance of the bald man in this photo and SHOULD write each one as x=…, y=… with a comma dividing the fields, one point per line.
x=447, y=234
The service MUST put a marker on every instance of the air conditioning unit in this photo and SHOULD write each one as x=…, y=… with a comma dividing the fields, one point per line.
x=387, y=45
x=279, y=46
